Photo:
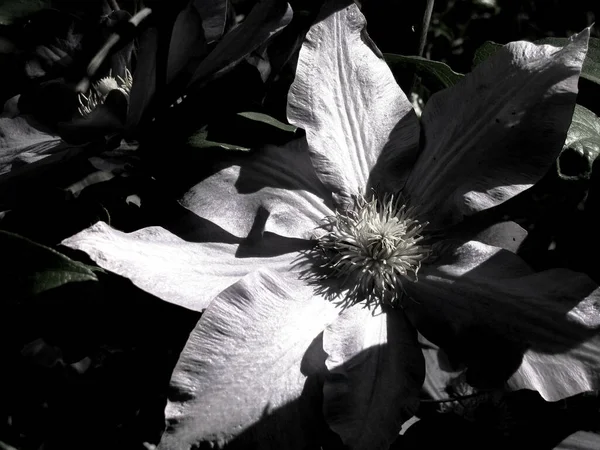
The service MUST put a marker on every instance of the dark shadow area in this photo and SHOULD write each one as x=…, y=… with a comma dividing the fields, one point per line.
x=87, y=366
x=516, y=420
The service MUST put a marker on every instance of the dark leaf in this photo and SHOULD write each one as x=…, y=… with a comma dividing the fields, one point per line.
x=29, y=268
x=438, y=74
x=264, y=21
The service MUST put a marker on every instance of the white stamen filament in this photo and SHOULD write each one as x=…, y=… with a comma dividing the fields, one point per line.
x=371, y=249
x=101, y=89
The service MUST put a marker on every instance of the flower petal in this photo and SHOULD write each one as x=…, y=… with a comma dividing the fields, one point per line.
x=189, y=274
x=249, y=369
x=346, y=99
x=575, y=371
x=485, y=307
x=497, y=132
x=20, y=142
x=508, y=235
x=376, y=370
x=439, y=373
x=272, y=190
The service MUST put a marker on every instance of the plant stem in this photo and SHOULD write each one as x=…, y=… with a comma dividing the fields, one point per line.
x=425, y=26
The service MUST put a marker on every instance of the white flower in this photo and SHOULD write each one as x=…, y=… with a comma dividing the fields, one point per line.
x=272, y=351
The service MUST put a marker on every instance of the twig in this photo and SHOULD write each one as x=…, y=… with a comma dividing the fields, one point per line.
x=423, y=37
x=112, y=40
x=425, y=26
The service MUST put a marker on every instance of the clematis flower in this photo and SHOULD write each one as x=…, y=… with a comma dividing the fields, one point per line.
x=283, y=248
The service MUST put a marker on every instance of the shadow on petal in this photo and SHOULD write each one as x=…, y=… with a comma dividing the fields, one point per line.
x=390, y=172
x=192, y=228
x=276, y=185
x=298, y=424
x=259, y=243
x=496, y=132
x=286, y=167
x=376, y=373
x=487, y=309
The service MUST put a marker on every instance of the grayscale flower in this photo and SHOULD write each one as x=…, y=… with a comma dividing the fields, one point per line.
x=289, y=244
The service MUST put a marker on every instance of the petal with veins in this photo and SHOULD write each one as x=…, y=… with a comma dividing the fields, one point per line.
x=497, y=132
x=346, y=99
x=272, y=190
x=249, y=371
x=188, y=274
x=486, y=308
x=376, y=370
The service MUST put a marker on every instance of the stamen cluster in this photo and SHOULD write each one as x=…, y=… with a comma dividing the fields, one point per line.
x=101, y=89
x=371, y=249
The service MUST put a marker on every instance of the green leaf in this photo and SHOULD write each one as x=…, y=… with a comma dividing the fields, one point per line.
x=29, y=268
x=243, y=131
x=486, y=50
x=263, y=118
x=591, y=65
x=200, y=140
x=582, y=145
x=439, y=75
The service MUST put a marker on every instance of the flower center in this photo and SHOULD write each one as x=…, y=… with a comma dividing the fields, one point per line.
x=100, y=90
x=371, y=249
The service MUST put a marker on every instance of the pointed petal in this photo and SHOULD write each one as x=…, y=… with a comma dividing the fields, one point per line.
x=497, y=132
x=487, y=308
x=376, y=370
x=272, y=190
x=249, y=368
x=346, y=99
x=189, y=274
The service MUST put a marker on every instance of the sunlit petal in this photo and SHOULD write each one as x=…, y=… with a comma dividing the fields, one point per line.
x=249, y=371
x=346, y=99
x=189, y=274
